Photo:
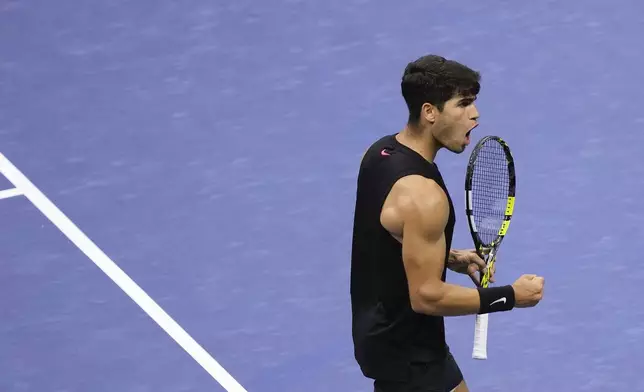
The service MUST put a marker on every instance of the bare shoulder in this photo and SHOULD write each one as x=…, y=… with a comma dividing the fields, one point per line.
x=416, y=201
x=422, y=199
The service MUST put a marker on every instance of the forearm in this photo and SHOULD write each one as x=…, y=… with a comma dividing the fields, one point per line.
x=444, y=299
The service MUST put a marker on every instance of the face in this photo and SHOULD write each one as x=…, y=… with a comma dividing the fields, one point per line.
x=453, y=125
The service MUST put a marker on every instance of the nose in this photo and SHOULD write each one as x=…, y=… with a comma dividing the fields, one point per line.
x=474, y=113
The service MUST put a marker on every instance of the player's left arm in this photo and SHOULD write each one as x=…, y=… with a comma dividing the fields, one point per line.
x=468, y=262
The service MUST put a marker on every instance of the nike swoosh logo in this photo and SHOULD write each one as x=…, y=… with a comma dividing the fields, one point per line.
x=498, y=300
x=384, y=153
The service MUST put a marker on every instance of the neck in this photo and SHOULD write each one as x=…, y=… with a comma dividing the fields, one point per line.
x=419, y=140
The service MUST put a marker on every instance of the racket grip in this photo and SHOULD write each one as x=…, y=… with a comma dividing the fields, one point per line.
x=480, y=337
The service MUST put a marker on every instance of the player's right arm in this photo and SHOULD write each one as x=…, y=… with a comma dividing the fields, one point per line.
x=421, y=206
x=424, y=211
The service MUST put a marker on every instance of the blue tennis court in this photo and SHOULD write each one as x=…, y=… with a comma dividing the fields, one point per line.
x=210, y=150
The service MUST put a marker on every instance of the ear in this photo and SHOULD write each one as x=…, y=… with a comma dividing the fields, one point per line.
x=429, y=112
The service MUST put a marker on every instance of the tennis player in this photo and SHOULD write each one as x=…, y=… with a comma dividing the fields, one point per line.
x=402, y=237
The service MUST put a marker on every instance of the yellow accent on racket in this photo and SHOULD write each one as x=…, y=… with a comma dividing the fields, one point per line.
x=504, y=227
x=486, y=276
x=510, y=207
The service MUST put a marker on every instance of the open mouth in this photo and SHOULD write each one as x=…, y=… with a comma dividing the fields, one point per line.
x=467, y=135
x=470, y=131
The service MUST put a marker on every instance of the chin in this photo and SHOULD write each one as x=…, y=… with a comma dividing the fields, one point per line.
x=459, y=149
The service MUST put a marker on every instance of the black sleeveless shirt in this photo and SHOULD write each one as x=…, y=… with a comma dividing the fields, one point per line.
x=387, y=333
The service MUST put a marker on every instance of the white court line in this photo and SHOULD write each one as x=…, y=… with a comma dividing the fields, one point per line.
x=140, y=297
x=7, y=193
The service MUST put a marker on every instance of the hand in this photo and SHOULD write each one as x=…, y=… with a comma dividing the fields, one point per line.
x=528, y=291
x=468, y=262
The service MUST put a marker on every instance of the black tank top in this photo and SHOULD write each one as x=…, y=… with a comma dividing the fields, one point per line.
x=387, y=333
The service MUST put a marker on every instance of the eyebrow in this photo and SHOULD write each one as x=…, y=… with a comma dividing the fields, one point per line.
x=466, y=99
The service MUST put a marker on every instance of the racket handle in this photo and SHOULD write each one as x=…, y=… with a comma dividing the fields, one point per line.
x=480, y=337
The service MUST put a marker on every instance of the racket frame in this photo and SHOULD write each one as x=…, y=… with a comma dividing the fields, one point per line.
x=487, y=251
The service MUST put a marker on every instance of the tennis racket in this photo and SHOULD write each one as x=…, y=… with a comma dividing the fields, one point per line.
x=490, y=185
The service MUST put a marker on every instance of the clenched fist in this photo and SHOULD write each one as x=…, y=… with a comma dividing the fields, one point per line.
x=528, y=291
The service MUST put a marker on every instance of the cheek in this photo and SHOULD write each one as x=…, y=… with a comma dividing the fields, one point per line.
x=454, y=115
x=460, y=120
x=457, y=119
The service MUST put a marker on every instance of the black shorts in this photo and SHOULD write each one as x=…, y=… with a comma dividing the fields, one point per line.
x=438, y=376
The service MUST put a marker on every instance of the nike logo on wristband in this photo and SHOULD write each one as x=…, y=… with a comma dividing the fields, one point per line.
x=498, y=300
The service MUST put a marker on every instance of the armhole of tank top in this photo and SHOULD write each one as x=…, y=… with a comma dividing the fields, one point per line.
x=389, y=186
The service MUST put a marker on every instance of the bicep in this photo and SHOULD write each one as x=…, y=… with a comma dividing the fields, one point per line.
x=423, y=242
x=423, y=256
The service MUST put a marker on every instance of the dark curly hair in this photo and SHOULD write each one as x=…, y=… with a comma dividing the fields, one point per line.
x=434, y=79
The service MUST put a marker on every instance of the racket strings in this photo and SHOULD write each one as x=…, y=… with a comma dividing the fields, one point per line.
x=490, y=189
